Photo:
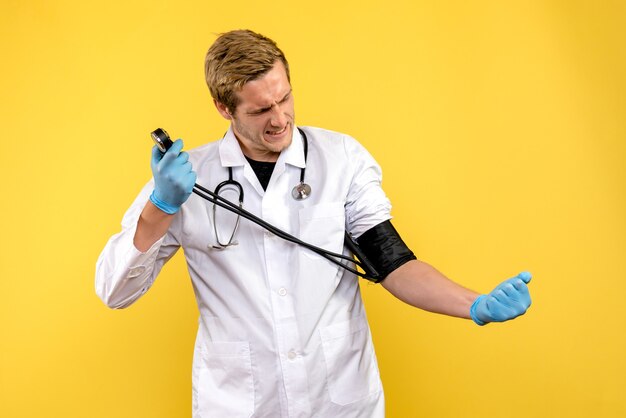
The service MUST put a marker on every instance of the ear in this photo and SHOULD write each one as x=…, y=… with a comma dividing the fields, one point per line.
x=223, y=110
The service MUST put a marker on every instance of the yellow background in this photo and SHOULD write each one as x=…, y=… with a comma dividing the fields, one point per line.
x=500, y=127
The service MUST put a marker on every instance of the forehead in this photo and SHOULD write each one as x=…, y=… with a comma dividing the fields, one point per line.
x=264, y=91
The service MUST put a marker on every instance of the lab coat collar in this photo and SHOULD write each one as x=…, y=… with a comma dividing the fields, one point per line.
x=231, y=154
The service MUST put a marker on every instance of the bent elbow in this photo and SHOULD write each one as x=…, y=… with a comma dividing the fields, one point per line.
x=113, y=302
x=116, y=296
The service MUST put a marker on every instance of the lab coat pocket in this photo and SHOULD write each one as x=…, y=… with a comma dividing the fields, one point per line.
x=322, y=225
x=351, y=367
x=225, y=386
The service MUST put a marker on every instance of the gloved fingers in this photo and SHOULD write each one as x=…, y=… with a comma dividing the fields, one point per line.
x=500, y=312
x=508, y=300
x=193, y=177
x=519, y=281
x=173, y=152
x=519, y=284
x=185, y=167
x=176, y=147
x=156, y=155
x=522, y=289
x=518, y=299
x=183, y=157
x=189, y=181
x=504, y=283
x=179, y=171
x=515, y=289
x=524, y=297
x=508, y=294
x=525, y=276
x=516, y=302
x=522, y=294
x=503, y=298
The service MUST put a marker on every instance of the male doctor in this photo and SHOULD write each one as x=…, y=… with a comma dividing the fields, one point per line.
x=282, y=331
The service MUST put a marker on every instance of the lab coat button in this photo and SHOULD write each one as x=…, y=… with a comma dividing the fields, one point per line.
x=291, y=355
x=268, y=234
x=282, y=291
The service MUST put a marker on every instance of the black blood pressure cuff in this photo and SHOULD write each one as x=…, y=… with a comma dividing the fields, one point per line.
x=384, y=249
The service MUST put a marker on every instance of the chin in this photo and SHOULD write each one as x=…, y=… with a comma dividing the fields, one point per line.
x=281, y=144
x=279, y=147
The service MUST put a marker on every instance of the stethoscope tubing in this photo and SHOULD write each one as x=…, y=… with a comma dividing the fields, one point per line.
x=163, y=142
x=232, y=207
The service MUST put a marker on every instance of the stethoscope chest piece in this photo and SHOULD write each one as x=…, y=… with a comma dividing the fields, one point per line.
x=301, y=191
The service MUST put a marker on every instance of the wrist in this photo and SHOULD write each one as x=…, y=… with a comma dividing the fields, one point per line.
x=152, y=224
x=162, y=205
x=473, y=308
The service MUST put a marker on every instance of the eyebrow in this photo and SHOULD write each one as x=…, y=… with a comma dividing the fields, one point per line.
x=266, y=108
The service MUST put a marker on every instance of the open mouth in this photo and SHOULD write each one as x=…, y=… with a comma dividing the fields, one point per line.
x=276, y=134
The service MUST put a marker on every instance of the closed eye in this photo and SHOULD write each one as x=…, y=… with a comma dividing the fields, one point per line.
x=260, y=111
x=268, y=108
x=286, y=97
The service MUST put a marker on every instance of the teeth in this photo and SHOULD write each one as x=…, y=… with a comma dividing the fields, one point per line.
x=277, y=132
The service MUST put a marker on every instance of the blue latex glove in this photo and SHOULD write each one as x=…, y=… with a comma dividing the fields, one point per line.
x=508, y=300
x=173, y=178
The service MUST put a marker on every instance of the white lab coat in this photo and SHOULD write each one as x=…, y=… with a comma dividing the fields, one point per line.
x=282, y=331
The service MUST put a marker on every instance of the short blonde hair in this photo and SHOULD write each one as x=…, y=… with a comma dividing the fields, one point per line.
x=235, y=58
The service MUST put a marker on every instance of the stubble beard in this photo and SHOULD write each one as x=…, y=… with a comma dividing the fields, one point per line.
x=259, y=143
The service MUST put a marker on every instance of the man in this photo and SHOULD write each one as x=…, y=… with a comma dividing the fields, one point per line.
x=282, y=331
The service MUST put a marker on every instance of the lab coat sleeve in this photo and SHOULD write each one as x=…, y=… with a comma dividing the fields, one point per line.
x=366, y=204
x=123, y=273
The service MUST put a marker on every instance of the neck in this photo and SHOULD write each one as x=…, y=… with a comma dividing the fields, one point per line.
x=259, y=155
x=256, y=153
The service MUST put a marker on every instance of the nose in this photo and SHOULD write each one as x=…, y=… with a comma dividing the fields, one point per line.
x=278, y=117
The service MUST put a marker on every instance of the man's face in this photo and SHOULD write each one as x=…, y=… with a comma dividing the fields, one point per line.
x=264, y=120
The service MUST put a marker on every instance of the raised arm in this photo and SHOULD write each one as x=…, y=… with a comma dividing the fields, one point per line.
x=132, y=259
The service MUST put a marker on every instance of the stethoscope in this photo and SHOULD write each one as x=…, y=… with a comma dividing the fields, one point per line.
x=300, y=192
